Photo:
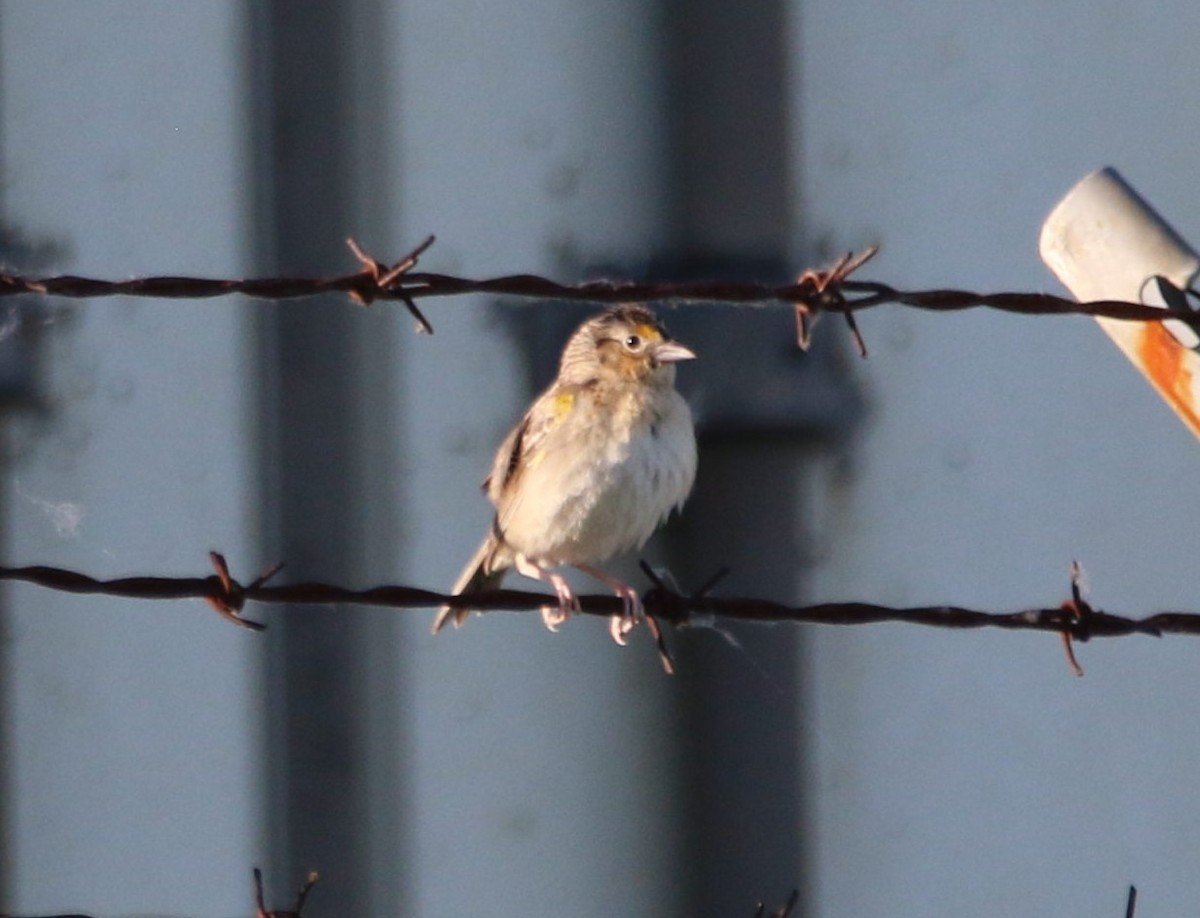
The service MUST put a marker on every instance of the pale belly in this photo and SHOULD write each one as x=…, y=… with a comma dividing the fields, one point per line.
x=608, y=499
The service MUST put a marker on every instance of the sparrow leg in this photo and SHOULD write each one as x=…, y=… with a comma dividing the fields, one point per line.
x=631, y=603
x=567, y=601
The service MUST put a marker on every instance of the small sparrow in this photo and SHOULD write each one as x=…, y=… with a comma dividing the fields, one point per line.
x=595, y=466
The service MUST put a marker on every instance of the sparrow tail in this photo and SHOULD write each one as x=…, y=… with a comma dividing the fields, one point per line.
x=481, y=573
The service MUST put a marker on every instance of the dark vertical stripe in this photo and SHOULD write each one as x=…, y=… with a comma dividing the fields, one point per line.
x=311, y=469
x=740, y=727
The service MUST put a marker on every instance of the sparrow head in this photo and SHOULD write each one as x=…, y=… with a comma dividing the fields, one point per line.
x=626, y=343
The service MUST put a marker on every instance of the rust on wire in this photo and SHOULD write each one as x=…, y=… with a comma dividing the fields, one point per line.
x=784, y=911
x=384, y=279
x=814, y=292
x=1080, y=612
x=233, y=595
x=827, y=286
x=295, y=912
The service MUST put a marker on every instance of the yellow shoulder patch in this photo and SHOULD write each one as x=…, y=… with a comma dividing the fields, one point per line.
x=563, y=403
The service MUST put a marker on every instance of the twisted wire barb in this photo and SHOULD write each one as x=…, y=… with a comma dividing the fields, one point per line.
x=784, y=911
x=259, y=900
x=261, y=910
x=814, y=292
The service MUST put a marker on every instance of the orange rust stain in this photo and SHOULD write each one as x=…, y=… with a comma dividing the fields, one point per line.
x=1163, y=362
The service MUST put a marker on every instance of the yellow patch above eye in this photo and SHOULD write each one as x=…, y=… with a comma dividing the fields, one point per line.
x=563, y=403
x=649, y=332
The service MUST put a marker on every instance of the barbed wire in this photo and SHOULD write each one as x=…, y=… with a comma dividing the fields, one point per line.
x=827, y=290
x=261, y=910
x=301, y=897
x=1074, y=619
x=816, y=291
x=784, y=911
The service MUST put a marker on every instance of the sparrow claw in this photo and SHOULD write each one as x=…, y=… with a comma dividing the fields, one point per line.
x=618, y=627
x=553, y=616
x=568, y=602
x=632, y=612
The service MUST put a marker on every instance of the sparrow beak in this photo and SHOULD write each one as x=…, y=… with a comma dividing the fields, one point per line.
x=672, y=352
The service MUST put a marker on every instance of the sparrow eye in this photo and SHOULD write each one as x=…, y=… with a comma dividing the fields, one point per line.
x=633, y=342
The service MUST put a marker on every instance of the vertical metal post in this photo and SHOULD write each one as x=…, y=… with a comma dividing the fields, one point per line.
x=323, y=502
x=741, y=719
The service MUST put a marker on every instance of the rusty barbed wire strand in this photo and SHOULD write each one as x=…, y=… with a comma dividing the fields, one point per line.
x=1076, y=618
x=815, y=291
